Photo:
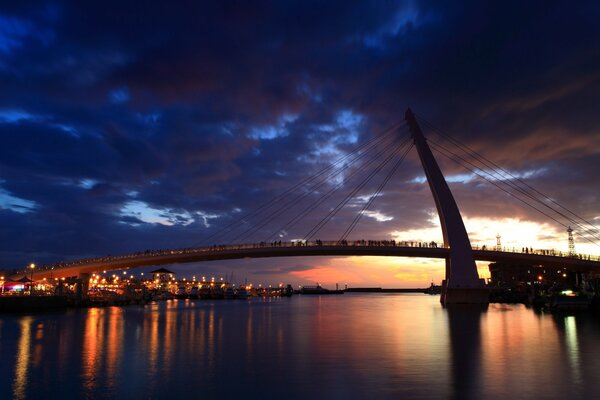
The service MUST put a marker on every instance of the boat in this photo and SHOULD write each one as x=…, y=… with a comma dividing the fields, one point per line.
x=434, y=289
x=229, y=293
x=241, y=293
x=569, y=300
x=287, y=291
x=205, y=291
x=163, y=296
x=181, y=293
x=217, y=293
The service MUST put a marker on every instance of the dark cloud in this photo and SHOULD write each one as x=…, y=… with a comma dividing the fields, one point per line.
x=127, y=127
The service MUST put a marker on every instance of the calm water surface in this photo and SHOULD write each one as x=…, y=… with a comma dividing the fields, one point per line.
x=363, y=346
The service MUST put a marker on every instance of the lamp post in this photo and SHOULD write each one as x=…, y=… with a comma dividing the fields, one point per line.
x=32, y=266
x=2, y=282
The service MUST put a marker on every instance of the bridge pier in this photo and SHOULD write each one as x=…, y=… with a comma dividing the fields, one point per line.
x=463, y=288
x=83, y=285
x=464, y=295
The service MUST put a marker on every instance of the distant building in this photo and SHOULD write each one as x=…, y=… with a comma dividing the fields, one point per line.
x=162, y=275
x=514, y=275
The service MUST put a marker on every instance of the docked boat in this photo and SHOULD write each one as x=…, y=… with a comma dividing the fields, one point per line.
x=163, y=296
x=434, y=289
x=241, y=293
x=217, y=293
x=229, y=293
x=181, y=293
x=204, y=291
x=569, y=300
x=287, y=291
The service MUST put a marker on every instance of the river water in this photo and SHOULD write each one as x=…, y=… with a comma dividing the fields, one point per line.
x=351, y=346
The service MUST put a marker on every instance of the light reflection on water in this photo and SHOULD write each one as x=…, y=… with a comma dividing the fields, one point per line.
x=572, y=347
x=22, y=359
x=349, y=346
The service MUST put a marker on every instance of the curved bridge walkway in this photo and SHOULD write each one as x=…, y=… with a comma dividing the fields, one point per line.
x=148, y=258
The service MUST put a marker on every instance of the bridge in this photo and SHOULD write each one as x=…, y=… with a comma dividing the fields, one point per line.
x=462, y=283
x=303, y=249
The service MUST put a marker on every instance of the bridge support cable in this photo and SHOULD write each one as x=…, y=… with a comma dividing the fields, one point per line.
x=375, y=195
x=285, y=206
x=495, y=176
x=311, y=207
x=457, y=159
x=468, y=150
x=350, y=195
x=357, y=153
x=379, y=138
x=519, y=184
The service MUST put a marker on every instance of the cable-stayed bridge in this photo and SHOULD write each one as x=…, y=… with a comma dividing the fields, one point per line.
x=380, y=154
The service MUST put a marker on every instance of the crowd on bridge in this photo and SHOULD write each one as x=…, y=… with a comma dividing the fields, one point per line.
x=294, y=243
x=540, y=252
x=343, y=242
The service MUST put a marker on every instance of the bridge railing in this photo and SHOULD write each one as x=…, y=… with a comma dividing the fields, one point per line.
x=539, y=252
x=244, y=246
x=302, y=243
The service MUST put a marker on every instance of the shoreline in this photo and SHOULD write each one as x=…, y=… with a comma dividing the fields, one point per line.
x=11, y=305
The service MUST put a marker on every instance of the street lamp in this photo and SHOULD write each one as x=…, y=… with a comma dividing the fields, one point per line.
x=2, y=282
x=32, y=266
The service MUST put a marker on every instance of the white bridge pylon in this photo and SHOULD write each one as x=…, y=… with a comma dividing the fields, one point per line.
x=462, y=283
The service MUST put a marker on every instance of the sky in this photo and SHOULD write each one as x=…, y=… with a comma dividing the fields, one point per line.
x=126, y=126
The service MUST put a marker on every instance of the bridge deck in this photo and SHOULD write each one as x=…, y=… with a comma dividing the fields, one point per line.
x=216, y=253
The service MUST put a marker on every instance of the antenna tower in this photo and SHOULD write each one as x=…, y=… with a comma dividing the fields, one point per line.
x=571, y=242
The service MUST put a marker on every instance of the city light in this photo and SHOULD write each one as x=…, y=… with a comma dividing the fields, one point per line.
x=32, y=266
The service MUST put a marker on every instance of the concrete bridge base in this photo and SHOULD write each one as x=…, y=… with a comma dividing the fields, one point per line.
x=464, y=295
x=82, y=286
